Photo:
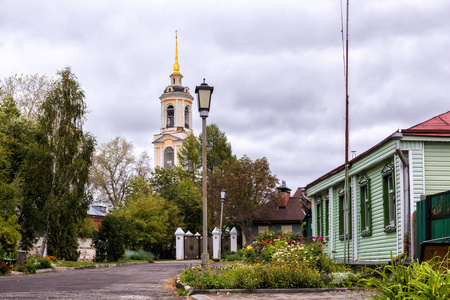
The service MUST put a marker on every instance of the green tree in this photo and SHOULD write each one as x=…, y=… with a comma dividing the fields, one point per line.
x=218, y=149
x=153, y=218
x=65, y=152
x=112, y=238
x=189, y=156
x=176, y=186
x=9, y=234
x=249, y=185
x=16, y=136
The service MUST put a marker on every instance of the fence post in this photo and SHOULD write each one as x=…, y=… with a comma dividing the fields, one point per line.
x=179, y=242
x=216, y=243
x=233, y=234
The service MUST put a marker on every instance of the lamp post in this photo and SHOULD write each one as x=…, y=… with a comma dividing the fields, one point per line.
x=204, y=92
x=222, y=200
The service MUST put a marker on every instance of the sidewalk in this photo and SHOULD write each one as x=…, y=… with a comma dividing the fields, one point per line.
x=335, y=295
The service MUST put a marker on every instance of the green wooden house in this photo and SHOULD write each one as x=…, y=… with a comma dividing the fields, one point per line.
x=385, y=182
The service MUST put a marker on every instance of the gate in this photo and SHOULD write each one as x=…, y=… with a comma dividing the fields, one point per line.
x=192, y=247
x=433, y=220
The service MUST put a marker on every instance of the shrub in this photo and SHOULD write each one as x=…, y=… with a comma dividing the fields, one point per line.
x=139, y=255
x=426, y=280
x=232, y=256
x=253, y=276
x=113, y=236
x=29, y=268
x=5, y=267
x=9, y=235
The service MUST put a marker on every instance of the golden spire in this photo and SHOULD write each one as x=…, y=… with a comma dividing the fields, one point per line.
x=176, y=67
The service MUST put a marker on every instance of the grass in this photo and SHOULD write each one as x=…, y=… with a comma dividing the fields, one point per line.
x=63, y=263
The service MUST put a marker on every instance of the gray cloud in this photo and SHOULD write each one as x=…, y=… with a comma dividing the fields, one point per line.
x=277, y=68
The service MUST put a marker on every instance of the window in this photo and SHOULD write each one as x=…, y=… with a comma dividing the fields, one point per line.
x=186, y=117
x=170, y=116
x=326, y=217
x=168, y=157
x=263, y=229
x=345, y=216
x=286, y=228
x=319, y=216
x=388, y=198
x=366, y=211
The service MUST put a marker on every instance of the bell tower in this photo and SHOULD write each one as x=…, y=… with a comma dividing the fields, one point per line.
x=176, y=118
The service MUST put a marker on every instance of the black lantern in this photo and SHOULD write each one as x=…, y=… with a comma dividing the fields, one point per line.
x=204, y=92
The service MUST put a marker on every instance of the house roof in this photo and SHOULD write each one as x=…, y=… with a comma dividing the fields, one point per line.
x=97, y=210
x=293, y=212
x=436, y=126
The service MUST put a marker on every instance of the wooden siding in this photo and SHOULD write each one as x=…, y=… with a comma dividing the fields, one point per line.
x=437, y=167
x=379, y=245
x=416, y=170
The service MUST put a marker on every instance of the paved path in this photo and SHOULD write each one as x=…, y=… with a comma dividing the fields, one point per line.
x=145, y=281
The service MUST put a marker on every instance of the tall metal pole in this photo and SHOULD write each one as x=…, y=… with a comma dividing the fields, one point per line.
x=346, y=196
x=205, y=254
x=220, y=228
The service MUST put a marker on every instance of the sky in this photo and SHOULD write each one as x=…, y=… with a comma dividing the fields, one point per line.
x=277, y=68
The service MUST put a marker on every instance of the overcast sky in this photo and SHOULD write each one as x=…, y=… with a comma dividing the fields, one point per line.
x=276, y=66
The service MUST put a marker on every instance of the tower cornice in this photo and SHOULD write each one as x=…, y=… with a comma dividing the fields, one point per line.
x=176, y=95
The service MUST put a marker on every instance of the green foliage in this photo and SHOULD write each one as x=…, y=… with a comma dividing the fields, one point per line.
x=249, y=185
x=218, y=149
x=112, y=238
x=69, y=152
x=176, y=186
x=5, y=267
x=9, y=235
x=233, y=256
x=139, y=255
x=426, y=280
x=256, y=276
x=190, y=156
x=152, y=219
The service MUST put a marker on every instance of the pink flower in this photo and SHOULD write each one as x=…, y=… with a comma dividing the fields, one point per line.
x=320, y=245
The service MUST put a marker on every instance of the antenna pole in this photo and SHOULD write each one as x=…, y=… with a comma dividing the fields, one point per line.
x=347, y=209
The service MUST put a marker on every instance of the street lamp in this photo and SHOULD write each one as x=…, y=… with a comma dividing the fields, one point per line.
x=204, y=92
x=222, y=200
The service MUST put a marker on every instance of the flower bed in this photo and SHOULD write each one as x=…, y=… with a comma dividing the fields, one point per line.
x=274, y=261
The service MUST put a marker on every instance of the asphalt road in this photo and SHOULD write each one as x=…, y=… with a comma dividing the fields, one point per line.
x=147, y=281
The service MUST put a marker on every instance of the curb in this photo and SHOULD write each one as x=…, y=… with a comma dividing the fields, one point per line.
x=272, y=291
x=62, y=269
x=192, y=291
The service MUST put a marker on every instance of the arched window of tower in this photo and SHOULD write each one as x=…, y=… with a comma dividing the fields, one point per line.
x=170, y=116
x=187, y=117
x=168, y=157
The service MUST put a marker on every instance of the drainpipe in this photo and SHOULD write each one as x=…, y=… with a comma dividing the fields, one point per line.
x=397, y=136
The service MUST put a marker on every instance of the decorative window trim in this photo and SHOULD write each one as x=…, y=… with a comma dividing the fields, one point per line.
x=319, y=200
x=364, y=180
x=341, y=191
x=366, y=233
x=365, y=206
x=390, y=228
x=387, y=169
x=389, y=178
